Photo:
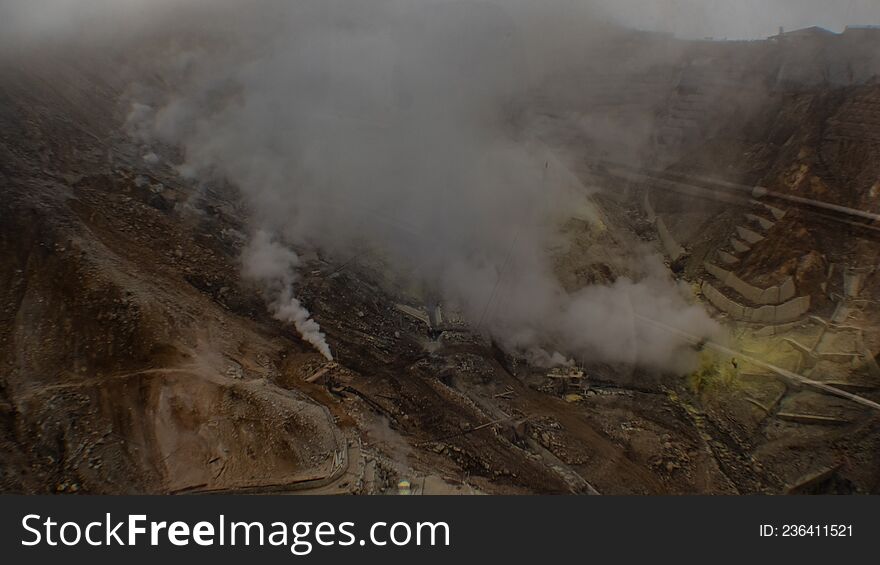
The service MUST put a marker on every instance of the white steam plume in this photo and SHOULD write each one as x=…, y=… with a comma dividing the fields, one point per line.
x=393, y=125
x=397, y=127
x=274, y=266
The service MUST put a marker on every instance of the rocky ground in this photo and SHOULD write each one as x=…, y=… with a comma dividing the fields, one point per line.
x=133, y=358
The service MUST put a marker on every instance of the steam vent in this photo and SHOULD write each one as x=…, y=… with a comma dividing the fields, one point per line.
x=460, y=249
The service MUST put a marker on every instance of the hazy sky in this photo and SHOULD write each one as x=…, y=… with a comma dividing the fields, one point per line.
x=741, y=18
x=685, y=18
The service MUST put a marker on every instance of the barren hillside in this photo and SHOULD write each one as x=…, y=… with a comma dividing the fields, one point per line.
x=135, y=358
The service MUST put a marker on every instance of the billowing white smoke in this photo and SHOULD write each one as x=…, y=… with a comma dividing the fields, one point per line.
x=392, y=126
x=273, y=265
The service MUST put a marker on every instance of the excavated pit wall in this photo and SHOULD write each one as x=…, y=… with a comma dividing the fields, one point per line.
x=787, y=312
x=773, y=295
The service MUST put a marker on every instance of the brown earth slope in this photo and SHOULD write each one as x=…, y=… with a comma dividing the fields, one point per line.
x=134, y=359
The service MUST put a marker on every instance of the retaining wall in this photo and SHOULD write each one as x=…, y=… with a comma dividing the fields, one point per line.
x=749, y=236
x=788, y=312
x=738, y=245
x=772, y=295
x=727, y=258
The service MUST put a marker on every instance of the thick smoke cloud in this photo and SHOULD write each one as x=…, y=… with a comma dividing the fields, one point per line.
x=396, y=130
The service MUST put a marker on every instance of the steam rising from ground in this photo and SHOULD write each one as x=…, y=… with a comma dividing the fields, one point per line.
x=398, y=128
x=274, y=266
